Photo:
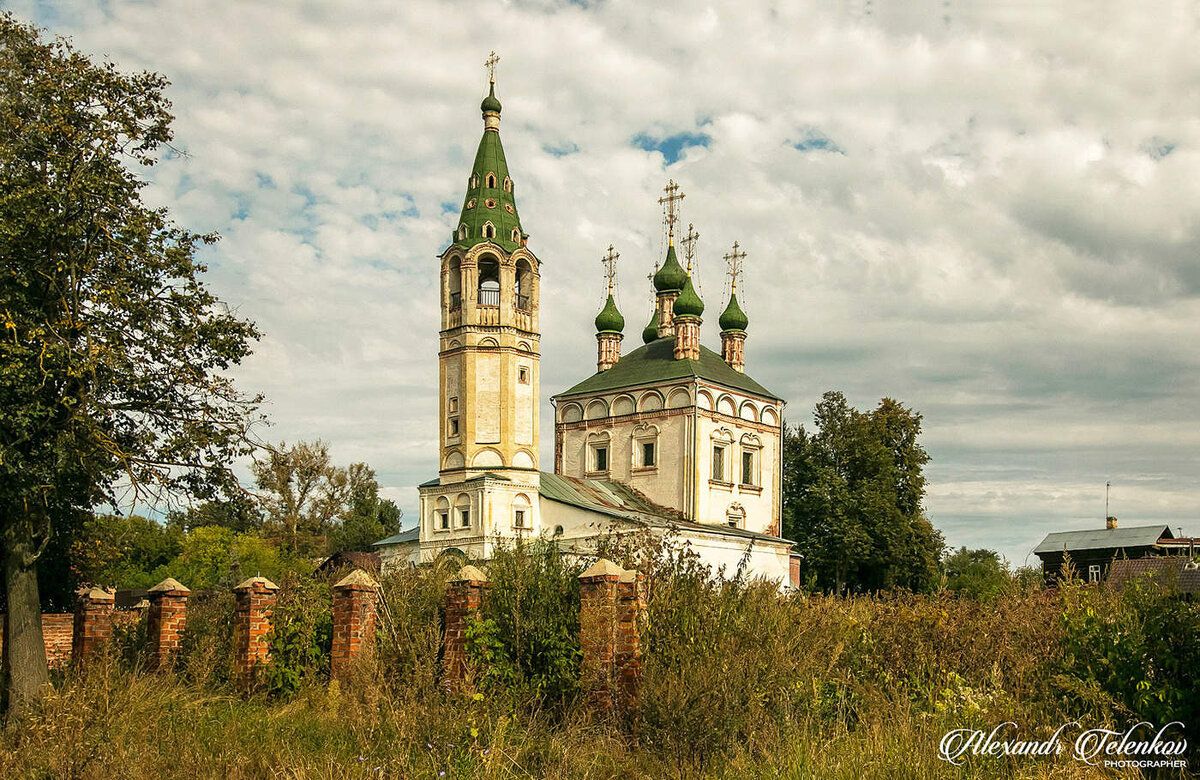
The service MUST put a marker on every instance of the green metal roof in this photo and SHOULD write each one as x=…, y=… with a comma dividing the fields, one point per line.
x=1101, y=538
x=733, y=318
x=620, y=501
x=655, y=363
x=688, y=304
x=411, y=535
x=609, y=320
x=484, y=204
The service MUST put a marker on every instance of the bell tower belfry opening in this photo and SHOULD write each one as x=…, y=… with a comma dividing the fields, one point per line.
x=489, y=355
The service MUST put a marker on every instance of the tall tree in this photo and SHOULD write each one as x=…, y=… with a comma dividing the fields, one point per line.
x=853, y=495
x=112, y=350
x=319, y=506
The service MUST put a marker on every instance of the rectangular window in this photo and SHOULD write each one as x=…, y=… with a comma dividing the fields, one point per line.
x=747, y=468
x=452, y=426
x=519, y=518
x=648, y=454
x=602, y=459
x=445, y=517
x=523, y=375
x=452, y=406
x=465, y=517
x=1094, y=573
x=718, y=463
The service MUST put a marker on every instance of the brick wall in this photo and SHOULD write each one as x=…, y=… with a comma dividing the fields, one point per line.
x=57, y=631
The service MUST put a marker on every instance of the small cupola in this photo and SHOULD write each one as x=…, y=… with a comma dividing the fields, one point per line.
x=671, y=277
x=688, y=304
x=650, y=332
x=733, y=318
x=609, y=320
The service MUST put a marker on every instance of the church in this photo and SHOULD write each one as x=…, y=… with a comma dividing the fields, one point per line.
x=670, y=438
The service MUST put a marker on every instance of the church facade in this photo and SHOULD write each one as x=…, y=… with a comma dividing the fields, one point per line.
x=672, y=438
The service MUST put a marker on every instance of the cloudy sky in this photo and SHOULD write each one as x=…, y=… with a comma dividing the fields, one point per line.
x=988, y=211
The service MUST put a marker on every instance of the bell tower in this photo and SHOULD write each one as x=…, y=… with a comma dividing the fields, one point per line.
x=489, y=351
x=489, y=347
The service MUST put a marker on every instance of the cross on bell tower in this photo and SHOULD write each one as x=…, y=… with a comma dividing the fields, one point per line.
x=609, y=322
x=670, y=201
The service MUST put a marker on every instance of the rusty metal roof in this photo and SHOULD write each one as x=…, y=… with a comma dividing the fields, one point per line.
x=1171, y=571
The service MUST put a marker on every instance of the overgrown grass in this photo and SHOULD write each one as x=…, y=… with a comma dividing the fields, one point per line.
x=739, y=682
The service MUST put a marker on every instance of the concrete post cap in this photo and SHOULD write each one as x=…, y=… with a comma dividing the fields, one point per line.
x=170, y=584
x=469, y=573
x=95, y=594
x=357, y=578
x=602, y=568
x=263, y=581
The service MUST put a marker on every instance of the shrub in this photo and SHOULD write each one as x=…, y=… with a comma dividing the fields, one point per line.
x=206, y=652
x=301, y=635
x=527, y=640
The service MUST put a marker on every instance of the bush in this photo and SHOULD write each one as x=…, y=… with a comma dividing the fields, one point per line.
x=206, y=652
x=301, y=635
x=527, y=640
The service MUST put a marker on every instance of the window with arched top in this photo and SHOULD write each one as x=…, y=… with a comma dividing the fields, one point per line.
x=474, y=180
x=491, y=180
x=599, y=453
x=645, y=447
x=462, y=508
x=489, y=230
x=489, y=281
x=454, y=281
x=508, y=185
x=720, y=467
x=462, y=232
x=441, y=515
x=516, y=236
x=751, y=447
x=735, y=516
x=523, y=281
x=522, y=512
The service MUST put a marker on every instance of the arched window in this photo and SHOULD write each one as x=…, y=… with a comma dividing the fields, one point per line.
x=489, y=282
x=516, y=236
x=462, y=232
x=454, y=281
x=474, y=180
x=491, y=180
x=489, y=230
x=462, y=507
x=507, y=184
x=522, y=514
x=523, y=281
x=441, y=515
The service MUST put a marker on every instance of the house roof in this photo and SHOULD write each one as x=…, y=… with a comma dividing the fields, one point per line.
x=1103, y=538
x=618, y=500
x=1170, y=570
x=655, y=362
x=411, y=535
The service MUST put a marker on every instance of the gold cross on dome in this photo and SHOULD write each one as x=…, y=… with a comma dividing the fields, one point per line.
x=610, y=266
x=669, y=200
x=688, y=243
x=734, y=261
x=491, y=66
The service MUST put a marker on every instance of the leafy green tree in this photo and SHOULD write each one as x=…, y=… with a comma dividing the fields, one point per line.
x=853, y=495
x=112, y=350
x=238, y=512
x=320, y=507
x=124, y=551
x=975, y=573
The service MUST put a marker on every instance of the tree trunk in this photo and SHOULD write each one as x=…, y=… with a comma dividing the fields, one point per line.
x=23, y=671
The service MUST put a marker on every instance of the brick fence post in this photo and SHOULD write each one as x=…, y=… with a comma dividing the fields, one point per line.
x=251, y=624
x=464, y=597
x=93, y=624
x=165, y=623
x=598, y=622
x=354, y=605
x=631, y=604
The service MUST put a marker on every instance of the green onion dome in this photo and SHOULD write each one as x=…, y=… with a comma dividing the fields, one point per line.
x=733, y=318
x=671, y=276
x=688, y=304
x=490, y=103
x=609, y=320
x=650, y=332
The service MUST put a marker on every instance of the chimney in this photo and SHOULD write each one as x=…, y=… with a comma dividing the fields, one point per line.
x=1110, y=522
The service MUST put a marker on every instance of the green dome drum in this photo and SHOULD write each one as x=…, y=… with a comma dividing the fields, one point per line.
x=609, y=320
x=688, y=304
x=671, y=276
x=733, y=318
x=650, y=332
